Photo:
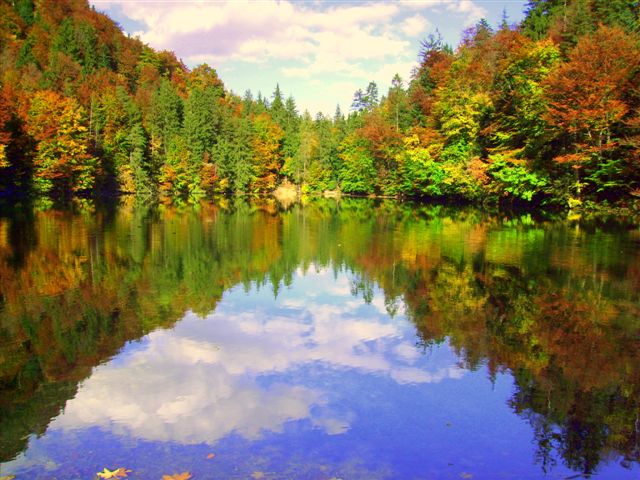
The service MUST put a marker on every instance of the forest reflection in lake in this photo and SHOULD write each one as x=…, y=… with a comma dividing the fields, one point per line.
x=335, y=339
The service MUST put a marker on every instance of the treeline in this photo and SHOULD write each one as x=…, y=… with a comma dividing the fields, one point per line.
x=547, y=111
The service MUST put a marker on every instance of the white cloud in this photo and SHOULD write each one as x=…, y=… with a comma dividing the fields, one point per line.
x=415, y=26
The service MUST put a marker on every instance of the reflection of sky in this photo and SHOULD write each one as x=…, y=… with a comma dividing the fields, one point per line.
x=314, y=384
x=229, y=372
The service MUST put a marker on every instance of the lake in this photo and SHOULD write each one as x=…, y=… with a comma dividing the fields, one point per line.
x=334, y=339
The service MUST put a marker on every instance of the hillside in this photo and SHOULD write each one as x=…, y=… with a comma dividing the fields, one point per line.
x=546, y=112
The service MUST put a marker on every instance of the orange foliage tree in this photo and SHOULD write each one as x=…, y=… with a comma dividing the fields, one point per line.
x=62, y=162
x=267, y=152
x=586, y=97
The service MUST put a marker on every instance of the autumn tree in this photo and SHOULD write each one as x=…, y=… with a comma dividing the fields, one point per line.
x=435, y=60
x=62, y=162
x=267, y=152
x=587, y=107
x=5, y=132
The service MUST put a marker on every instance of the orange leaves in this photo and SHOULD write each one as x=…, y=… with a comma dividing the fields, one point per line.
x=573, y=158
x=381, y=134
x=117, y=473
x=267, y=154
x=586, y=93
x=107, y=474
x=177, y=476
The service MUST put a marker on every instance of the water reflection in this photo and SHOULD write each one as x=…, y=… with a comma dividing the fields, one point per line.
x=326, y=325
x=206, y=378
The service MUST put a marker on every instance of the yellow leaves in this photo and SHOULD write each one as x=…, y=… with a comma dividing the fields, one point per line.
x=411, y=141
x=118, y=473
x=257, y=475
x=7, y=477
x=4, y=162
x=177, y=476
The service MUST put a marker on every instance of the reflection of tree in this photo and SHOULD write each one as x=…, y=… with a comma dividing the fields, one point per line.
x=547, y=302
x=573, y=355
x=551, y=305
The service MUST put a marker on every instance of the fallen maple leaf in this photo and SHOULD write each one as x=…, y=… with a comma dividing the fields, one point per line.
x=117, y=473
x=177, y=476
x=211, y=455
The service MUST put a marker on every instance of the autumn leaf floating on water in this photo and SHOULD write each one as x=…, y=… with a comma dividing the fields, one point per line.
x=118, y=473
x=177, y=476
x=7, y=477
x=210, y=456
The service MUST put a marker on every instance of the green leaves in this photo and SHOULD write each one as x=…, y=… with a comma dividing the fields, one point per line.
x=514, y=179
x=357, y=173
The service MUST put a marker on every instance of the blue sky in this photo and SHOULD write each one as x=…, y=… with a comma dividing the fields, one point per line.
x=318, y=51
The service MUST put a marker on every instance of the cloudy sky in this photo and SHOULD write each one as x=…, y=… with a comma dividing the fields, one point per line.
x=318, y=51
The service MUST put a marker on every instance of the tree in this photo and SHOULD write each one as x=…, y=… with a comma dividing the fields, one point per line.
x=296, y=167
x=267, y=152
x=5, y=131
x=518, y=123
x=419, y=173
x=435, y=60
x=587, y=105
x=359, y=103
x=204, y=77
x=25, y=9
x=277, y=108
x=622, y=13
x=201, y=123
x=357, y=173
x=137, y=143
x=365, y=101
x=539, y=15
x=577, y=21
x=396, y=107
x=166, y=118
x=291, y=128
x=62, y=162
x=242, y=156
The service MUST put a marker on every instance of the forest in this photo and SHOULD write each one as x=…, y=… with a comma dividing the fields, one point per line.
x=545, y=112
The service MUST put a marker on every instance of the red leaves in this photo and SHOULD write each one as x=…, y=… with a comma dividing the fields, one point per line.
x=586, y=93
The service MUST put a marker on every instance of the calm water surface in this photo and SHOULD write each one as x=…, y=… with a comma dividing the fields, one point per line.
x=331, y=340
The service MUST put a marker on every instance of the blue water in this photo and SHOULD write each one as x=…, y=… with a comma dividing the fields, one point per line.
x=315, y=383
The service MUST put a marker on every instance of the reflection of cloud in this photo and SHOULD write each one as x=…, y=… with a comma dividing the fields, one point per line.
x=229, y=373
x=183, y=392
x=415, y=375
